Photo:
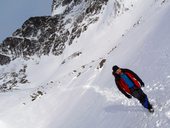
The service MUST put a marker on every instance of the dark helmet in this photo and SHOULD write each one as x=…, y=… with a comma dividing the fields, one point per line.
x=115, y=68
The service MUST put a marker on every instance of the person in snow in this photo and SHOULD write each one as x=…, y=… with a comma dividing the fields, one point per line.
x=130, y=85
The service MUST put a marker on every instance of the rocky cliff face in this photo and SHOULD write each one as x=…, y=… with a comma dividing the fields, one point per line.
x=51, y=34
x=4, y=59
x=44, y=35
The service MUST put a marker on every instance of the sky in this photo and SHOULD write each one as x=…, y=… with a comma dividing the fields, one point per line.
x=13, y=13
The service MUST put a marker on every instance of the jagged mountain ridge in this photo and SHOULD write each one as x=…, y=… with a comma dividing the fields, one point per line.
x=44, y=34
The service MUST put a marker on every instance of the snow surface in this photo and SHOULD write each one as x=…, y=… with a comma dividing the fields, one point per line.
x=79, y=94
x=59, y=10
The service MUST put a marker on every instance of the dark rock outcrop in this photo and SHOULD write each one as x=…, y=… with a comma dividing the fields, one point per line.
x=4, y=59
x=50, y=34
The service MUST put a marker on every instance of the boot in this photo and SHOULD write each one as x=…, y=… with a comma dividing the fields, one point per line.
x=150, y=108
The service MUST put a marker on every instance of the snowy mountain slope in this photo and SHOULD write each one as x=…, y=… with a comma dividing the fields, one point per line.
x=78, y=91
x=46, y=35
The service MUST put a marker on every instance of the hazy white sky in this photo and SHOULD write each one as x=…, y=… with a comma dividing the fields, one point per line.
x=13, y=13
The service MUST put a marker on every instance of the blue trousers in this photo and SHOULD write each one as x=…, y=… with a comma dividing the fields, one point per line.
x=141, y=96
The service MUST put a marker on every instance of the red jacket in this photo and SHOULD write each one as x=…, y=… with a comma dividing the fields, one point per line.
x=122, y=86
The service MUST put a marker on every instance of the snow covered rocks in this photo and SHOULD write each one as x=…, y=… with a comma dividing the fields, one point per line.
x=43, y=35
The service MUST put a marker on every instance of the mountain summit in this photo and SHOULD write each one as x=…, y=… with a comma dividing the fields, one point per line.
x=43, y=35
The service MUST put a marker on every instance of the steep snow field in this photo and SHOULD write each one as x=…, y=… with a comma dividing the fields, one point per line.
x=73, y=91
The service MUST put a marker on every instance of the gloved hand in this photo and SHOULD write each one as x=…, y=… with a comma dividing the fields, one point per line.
x=142, y=84
x=128, y=96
